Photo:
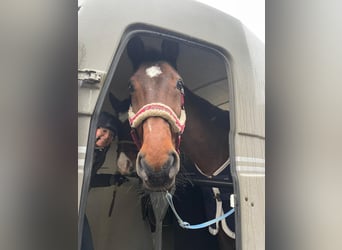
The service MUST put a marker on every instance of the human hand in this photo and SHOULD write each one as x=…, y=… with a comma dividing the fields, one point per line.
x=104, y=137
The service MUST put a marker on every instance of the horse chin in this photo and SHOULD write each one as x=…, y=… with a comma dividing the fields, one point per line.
x=154, y=183
x=155, y=188
x=158, y=179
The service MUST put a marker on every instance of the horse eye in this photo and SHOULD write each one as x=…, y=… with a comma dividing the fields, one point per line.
x=180, y=85
x=130, y=88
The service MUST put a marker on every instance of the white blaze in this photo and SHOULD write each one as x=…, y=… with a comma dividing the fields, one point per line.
x=153, y=71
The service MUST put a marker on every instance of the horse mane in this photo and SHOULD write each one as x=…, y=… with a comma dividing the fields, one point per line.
x=219, y=116
x=153, y=56
x=124, y=133
x=150, y=57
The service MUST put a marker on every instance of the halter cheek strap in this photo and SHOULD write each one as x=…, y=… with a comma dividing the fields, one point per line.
x=135, y=138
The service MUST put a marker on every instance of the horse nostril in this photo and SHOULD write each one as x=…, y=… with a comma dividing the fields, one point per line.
x=139, y=160
x=172, y=159
x=141, y=167
x=174, y=164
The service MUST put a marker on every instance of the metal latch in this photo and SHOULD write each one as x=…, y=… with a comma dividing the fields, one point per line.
x=89, y=78
x=232, y=200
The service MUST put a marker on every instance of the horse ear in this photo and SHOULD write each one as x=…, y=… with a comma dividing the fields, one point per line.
x=135, y=51
x=170, y=51
x=119, y=106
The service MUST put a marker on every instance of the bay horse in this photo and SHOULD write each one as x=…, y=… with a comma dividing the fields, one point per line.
x=163, y=113
x=126, y=151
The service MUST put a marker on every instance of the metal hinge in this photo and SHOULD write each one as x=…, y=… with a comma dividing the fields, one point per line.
x=90, y=78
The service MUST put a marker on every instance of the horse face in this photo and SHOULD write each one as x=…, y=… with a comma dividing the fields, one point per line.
x=127, y=151
x=157, y=114
x=125, y=163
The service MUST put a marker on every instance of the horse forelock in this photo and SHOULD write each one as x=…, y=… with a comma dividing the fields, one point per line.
x=152, y=57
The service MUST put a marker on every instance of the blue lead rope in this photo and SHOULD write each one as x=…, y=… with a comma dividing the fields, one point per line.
x=187, y=225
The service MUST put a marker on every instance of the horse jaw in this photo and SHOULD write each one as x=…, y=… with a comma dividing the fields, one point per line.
x=125, y=165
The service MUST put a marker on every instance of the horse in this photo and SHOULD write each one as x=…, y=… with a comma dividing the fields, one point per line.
x=164, y=114
x=126, y=149
x=186, y=193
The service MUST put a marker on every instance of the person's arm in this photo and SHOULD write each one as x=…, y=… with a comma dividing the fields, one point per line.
x=99, y=180
x=104, y=180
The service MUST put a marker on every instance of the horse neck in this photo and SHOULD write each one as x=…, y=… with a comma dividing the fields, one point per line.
x=205, y=139
x=125, y=131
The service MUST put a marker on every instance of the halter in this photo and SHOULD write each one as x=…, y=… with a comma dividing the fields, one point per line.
x=157, y=110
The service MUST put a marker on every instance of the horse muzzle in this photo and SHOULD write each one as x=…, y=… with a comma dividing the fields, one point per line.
x=158, y=178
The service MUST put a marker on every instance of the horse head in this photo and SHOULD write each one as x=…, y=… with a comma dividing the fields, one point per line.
x=156, y=113
x=126, y=149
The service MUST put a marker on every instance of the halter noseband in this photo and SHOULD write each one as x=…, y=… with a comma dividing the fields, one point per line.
x=157, y=110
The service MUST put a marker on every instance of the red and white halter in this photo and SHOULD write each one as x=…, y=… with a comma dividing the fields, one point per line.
x=157, y=110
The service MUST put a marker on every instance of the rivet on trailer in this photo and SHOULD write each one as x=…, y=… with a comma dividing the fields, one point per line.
x=220, y=61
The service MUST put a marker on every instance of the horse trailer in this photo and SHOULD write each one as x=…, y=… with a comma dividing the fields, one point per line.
x=219, y=60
